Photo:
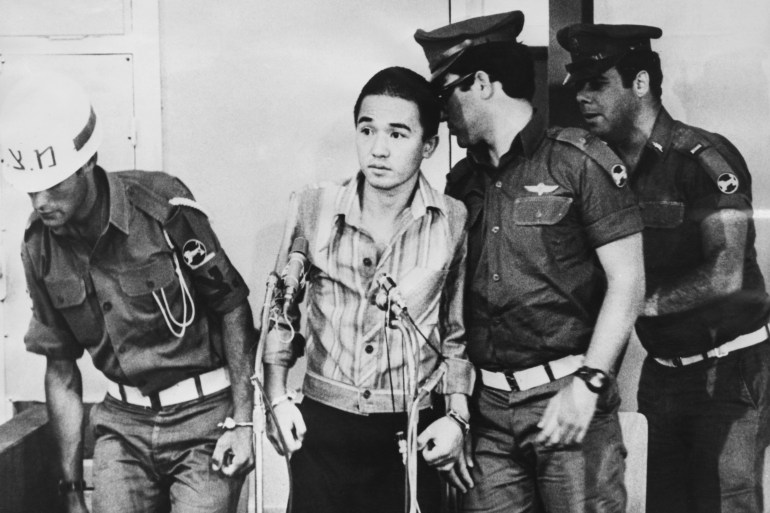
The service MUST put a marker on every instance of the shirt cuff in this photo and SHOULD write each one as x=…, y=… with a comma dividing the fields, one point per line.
x=459, y=378
x=281, y=348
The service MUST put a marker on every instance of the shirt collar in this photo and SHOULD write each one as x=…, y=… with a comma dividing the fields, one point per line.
x=525, y=143
x=119, y=205
x=660, y=138
x=348, y=204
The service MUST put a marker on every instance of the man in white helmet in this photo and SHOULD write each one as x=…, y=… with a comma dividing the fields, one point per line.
x=127, y=266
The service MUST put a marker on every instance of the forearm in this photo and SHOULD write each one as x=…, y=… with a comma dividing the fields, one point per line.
x=723, y=240
x=276, y=377
x=622, y=262
x=240, y=347
x=458, y=403
x=64, y=399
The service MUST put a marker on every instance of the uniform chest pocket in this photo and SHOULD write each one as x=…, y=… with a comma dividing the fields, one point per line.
x=662, y=214
x=540, y=210
x=141, y=281
x=68, y=296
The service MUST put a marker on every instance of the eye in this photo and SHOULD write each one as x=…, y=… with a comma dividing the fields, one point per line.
x=397, y=135
x=365, y=130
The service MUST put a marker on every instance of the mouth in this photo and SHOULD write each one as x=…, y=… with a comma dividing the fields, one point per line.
x=590, y=116
x=378, y=167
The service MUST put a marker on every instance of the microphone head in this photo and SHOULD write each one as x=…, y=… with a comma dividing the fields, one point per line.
x=300, y=245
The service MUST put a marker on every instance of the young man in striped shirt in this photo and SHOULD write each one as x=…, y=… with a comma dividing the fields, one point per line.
x=385, y=219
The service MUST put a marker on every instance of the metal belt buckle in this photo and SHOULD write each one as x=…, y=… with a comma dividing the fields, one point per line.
x=719, y=353
x=512, y=381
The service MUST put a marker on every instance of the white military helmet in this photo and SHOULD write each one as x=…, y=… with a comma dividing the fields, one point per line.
x=48, y=130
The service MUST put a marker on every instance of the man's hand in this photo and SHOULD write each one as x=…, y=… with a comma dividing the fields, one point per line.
x=233, y=454
x=291, y=425
x=75, y=502
x=441, y=444
x=568, y=415
x=459, y=476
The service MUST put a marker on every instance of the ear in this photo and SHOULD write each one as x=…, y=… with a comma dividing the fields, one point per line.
x=641, y=84
x=429, y=146
x=485, y=84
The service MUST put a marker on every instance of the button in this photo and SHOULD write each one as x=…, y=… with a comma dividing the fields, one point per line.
x=122, y=349
x=150, y=284
x=539, y=215
x=369, y=349
x=107, y=306
x=498, y=184
x=497, y=321
x=367, y=394
x=367, y=261
x=495, y=229
x=496, y=277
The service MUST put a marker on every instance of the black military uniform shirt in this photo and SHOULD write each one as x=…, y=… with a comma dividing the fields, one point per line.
x=683, y=175
x=111, y=300
x=535, y=285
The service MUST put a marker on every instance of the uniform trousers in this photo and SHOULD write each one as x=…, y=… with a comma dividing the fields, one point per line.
x=708, y=428
x=159, y=461
x=350, y=463
x=515, y=474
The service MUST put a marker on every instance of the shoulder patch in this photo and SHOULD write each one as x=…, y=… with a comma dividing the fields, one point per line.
x=596, y=149
x=698, y=145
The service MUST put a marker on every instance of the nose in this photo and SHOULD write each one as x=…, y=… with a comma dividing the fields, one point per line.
x=581, y=93
x=39, y=200
x=380, y=145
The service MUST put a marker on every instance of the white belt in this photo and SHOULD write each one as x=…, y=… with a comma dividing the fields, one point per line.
x=534, y=376
x=186, y=390
x=747, y=340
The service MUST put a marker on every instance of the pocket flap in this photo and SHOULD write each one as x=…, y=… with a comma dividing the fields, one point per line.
x=662, y=214
x=143, y=280
x=540, y=210
x=67, y=292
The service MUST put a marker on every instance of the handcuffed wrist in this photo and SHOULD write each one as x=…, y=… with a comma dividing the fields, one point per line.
x=288, y=396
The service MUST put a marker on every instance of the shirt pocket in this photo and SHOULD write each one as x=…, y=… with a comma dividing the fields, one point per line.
x=662, y=214
x=68, y=296
x=148, y=288
x=540, y=211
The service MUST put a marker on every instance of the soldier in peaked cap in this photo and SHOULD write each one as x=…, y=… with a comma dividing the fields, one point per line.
x=704, y=384
x=555, y=280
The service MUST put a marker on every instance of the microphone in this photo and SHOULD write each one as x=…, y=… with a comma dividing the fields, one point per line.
x=293, y=274
x=392, y=293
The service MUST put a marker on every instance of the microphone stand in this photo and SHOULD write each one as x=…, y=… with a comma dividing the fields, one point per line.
x=259, y=407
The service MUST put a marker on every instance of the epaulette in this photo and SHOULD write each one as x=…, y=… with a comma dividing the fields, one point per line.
x=150, y=202
x=703, y=147
x=595, y=148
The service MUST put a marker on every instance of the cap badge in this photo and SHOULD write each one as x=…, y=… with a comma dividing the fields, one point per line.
x=619, y=175
x=727, y=183
x=541, y=188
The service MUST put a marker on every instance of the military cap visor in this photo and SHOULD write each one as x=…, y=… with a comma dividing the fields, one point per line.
x=597, y=48
x=445, y=45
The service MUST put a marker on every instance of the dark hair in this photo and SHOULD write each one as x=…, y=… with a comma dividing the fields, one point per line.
x=511, y=64
x=642, y=60
x=404, y=83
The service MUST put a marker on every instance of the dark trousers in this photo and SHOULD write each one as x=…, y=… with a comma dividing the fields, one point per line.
x=709, y=424
x=149, y=461
x=350, y=463
x=515, y=474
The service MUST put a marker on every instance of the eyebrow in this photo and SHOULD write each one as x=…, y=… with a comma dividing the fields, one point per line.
x=367, y=119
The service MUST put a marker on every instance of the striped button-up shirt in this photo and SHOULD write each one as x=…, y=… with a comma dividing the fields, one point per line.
x=354, y=361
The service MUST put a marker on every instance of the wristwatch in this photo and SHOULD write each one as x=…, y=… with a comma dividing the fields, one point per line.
x=596, y=380
x=66, y=487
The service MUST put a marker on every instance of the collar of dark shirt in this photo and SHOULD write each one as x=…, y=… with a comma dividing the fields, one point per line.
x=660, y=138
x=525, y=143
